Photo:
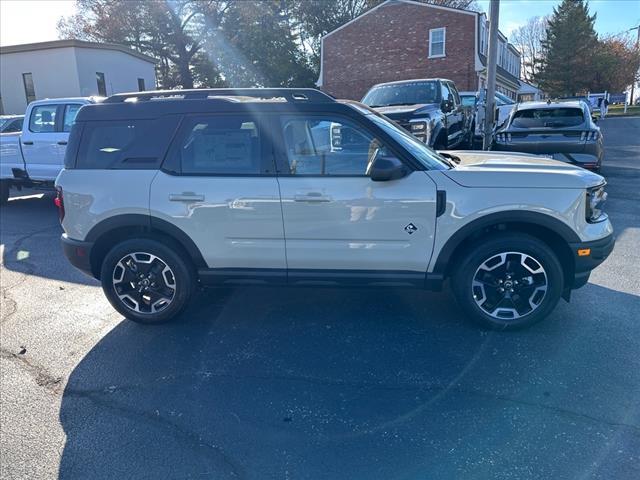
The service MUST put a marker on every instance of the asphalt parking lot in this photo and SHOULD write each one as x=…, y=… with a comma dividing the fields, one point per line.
x=318, y=383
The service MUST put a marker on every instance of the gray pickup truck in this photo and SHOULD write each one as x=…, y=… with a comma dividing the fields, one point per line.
x=429, y=108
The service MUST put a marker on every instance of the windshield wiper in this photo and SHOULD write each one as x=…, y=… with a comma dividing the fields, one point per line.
x=449, y=159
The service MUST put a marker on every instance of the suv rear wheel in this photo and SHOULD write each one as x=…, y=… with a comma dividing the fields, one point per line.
x=508, y=282
x=146, y=281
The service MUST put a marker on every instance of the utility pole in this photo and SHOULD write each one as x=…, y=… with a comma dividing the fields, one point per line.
x=633, y=84
x=492, y=58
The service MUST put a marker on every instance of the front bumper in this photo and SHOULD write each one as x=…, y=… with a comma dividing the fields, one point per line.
x=78, y=253
x=587, y=256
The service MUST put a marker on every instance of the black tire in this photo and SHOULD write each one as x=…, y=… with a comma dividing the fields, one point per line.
x=139, y=253
x=469, y=142
x=521, y=296
x=440, y=143
x=4, y=191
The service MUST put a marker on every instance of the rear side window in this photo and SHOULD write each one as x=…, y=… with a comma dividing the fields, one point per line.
x=548, y=118
x=125, y=144
x=43, y=119
x=220, y=145
x=70, y=112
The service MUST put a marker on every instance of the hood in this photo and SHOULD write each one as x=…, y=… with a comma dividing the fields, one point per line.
x=517, y=170
x=406, y=111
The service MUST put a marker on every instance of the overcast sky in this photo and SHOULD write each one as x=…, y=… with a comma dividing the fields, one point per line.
x=28, y=21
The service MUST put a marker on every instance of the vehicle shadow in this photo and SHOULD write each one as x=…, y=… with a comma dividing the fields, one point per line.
x=30, y=233
x=332, y=384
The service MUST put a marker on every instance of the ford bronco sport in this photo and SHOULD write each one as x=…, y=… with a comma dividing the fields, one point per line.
x=165, y=191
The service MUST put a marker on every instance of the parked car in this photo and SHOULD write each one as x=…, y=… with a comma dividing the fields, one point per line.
x=10, y=123
x=163, y=191
x=33, y=156
x=564, y=130
x=475, y=102
x=428, y=108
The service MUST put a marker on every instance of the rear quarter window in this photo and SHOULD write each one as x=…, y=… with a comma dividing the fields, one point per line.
x=548, y=118
x=124, y=144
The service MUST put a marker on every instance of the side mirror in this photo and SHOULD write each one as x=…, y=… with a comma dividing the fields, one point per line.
x=445, y=106
x=594, y=119
x=387, y=168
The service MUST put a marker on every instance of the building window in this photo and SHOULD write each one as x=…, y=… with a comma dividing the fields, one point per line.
x=102, y=86
x=437, y=38
x=141, y=85
x=29, y=89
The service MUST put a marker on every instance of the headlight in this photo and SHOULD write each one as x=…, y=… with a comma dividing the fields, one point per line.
x=596, y=196
x=421, y=130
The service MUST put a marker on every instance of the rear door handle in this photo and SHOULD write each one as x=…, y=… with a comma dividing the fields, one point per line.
x=62, y=142
x=311, y=197
x=27, y=143
x=186, y=197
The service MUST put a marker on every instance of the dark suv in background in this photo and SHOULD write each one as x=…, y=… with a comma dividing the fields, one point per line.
x=428, y=108
x=561, y=129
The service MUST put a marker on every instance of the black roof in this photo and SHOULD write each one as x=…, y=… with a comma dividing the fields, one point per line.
x=152, y=104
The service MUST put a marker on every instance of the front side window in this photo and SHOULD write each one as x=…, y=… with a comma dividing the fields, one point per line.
x=29, y=89
x=102, y=85
x=70, y=112
x=548, y=118
x=417, y=149
x=406, y=93
x=221, y=145
x=43, y=119
x=328, y=146
x=446, y=93
x=437, y=37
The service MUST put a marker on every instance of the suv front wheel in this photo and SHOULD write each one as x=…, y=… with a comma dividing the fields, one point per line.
x=146, y=281
x=508, y=281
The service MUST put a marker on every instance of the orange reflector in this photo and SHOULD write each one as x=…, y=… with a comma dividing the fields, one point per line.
x=584, y=252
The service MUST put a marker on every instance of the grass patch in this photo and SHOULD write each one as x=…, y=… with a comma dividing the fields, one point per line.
x=618, y=111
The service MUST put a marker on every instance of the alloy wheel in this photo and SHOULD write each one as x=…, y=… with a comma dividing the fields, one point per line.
x=509, y=285
x=144, y=282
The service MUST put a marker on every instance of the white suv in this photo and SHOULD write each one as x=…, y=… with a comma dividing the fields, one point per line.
x=164, y=191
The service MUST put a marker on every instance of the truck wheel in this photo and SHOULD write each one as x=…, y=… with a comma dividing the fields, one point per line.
x=469, y=143
x=5, y=186
x=147, y=281
x=440, y=143
x=508, y=281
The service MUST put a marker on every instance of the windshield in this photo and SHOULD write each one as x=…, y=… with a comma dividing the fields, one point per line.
x=548, y=118
x=402, y=94
x=425, y=155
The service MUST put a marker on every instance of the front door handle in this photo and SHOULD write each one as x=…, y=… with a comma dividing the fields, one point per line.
x=28, y=142
x=62, y=142
x=186, y=197
x=311, y=197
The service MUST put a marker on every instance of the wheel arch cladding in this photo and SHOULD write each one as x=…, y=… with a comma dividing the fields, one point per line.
x=553, y=232
x=113, y=230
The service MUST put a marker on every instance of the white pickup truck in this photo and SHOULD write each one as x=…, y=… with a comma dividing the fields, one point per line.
x=33, y=157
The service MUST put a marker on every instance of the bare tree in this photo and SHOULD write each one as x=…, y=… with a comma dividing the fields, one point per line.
x=528, y=40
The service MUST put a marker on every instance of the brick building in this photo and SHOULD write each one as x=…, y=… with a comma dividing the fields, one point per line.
x=404, y=39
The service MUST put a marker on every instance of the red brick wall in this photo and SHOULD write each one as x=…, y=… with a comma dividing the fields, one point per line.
x=392, y=43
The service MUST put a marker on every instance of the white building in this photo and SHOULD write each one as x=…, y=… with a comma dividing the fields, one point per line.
x=69, y=68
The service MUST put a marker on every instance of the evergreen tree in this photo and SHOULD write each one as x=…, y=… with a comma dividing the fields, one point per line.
x=569, y=49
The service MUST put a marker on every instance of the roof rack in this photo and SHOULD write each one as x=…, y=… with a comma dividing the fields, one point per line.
x=310, y=95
